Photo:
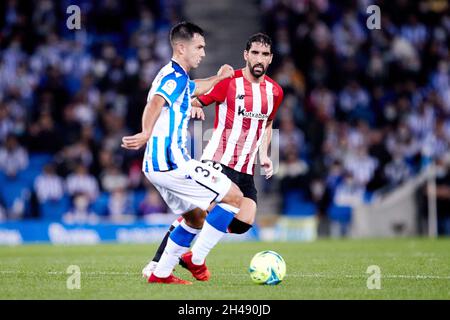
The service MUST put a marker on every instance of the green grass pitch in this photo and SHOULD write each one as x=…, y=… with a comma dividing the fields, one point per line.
x=325, y=269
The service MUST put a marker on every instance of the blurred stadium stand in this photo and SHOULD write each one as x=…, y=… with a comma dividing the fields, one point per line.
x=365, y=111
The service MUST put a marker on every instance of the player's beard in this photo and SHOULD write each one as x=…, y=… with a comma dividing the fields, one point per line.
x=254, y=73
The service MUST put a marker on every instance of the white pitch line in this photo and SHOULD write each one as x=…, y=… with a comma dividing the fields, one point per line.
x=99, y=273
x=389, y=276
x=61, y=272
x=313, y=275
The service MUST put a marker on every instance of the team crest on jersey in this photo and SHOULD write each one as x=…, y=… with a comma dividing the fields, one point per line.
x=169, y=87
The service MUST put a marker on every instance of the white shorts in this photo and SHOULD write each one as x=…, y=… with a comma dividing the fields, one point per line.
x=192, y=185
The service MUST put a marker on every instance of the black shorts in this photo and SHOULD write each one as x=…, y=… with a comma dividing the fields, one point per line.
x=244, y=181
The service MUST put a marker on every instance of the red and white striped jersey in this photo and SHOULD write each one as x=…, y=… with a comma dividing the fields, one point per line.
x=242, y=111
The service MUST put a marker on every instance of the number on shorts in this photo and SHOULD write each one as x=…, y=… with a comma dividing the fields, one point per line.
x=202, y=170
x=214, y=165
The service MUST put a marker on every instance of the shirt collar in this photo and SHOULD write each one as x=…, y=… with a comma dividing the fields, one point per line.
x=178, y=64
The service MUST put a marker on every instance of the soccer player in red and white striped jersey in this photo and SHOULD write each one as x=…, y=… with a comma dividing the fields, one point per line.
x=245, y=108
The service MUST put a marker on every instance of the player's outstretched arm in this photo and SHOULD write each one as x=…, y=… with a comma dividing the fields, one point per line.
x=197, y=111
x=151, y=113
x=204, y=85
x=264, y=159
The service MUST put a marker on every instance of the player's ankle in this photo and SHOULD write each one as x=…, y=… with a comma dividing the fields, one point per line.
x=198, y=261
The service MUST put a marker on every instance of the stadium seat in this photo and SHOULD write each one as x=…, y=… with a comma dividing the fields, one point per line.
x=296, y=205
x=368, y=196
x=12, y=190
x=138, y=197
x=2, y=178
x=54, y=209
x=340, y=213
x=39, y=160
x=29, y=175
x=100, y=205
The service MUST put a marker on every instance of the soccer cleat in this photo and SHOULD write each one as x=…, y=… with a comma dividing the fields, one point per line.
x=200, y=272
x=148, y=269
x=169, y=280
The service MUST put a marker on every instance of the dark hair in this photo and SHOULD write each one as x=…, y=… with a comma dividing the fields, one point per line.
x=184, y=31
x=261, y=38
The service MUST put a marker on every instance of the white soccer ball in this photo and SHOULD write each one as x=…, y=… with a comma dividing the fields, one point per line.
x=267, y=267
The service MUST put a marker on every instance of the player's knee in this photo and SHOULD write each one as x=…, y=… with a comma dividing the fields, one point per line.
x=236, y=197
x=249, y=220
x=239, y=227
x=195, y=218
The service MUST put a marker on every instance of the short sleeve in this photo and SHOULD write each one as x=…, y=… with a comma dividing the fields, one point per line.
x=171, y=87
x=192, y=87
x=278, y=99
x=217, y=94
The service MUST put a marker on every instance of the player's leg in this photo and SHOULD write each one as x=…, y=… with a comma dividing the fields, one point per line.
x=151, y=266
x=214, y=228
x=191, y=186
x=180, y=237
x=244, y=219
x=240, y=224
x=190, y=219
x=178, y=243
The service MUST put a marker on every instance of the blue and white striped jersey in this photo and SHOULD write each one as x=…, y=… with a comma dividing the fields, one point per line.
x=166, y=148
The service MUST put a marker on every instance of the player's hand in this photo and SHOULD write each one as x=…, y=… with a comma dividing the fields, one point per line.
x=197, y=113
x=225, y=71
x=266, y=163
x=134, y=142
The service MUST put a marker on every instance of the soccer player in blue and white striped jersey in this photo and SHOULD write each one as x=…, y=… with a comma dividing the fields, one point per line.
x=187, y=185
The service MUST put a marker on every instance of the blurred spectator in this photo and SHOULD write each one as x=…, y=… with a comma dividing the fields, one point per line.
x=293, y=172
x=152, y=203
x=6, y=124
x=443, y=195
x=289, y=76
x=397, y=171
x=80, y=213
x=323, y=102
x=373, y=102
x=112, y=179
x=13, y=157
x=43, y=135
x=335, y=176
x=48, y=185
x=120, y=206
x=81, y=182
x=68, y=94
x=361, y=166
x=354, y=101
x=348, y=195
x=348, y=35
x=415, y=32
x=376, y=100
x=290, y=136
x=135, y=178
x=2, y=214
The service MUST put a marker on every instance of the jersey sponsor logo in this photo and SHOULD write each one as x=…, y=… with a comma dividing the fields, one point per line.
x=169, y=87
x=244, y=113
x=240, y=96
